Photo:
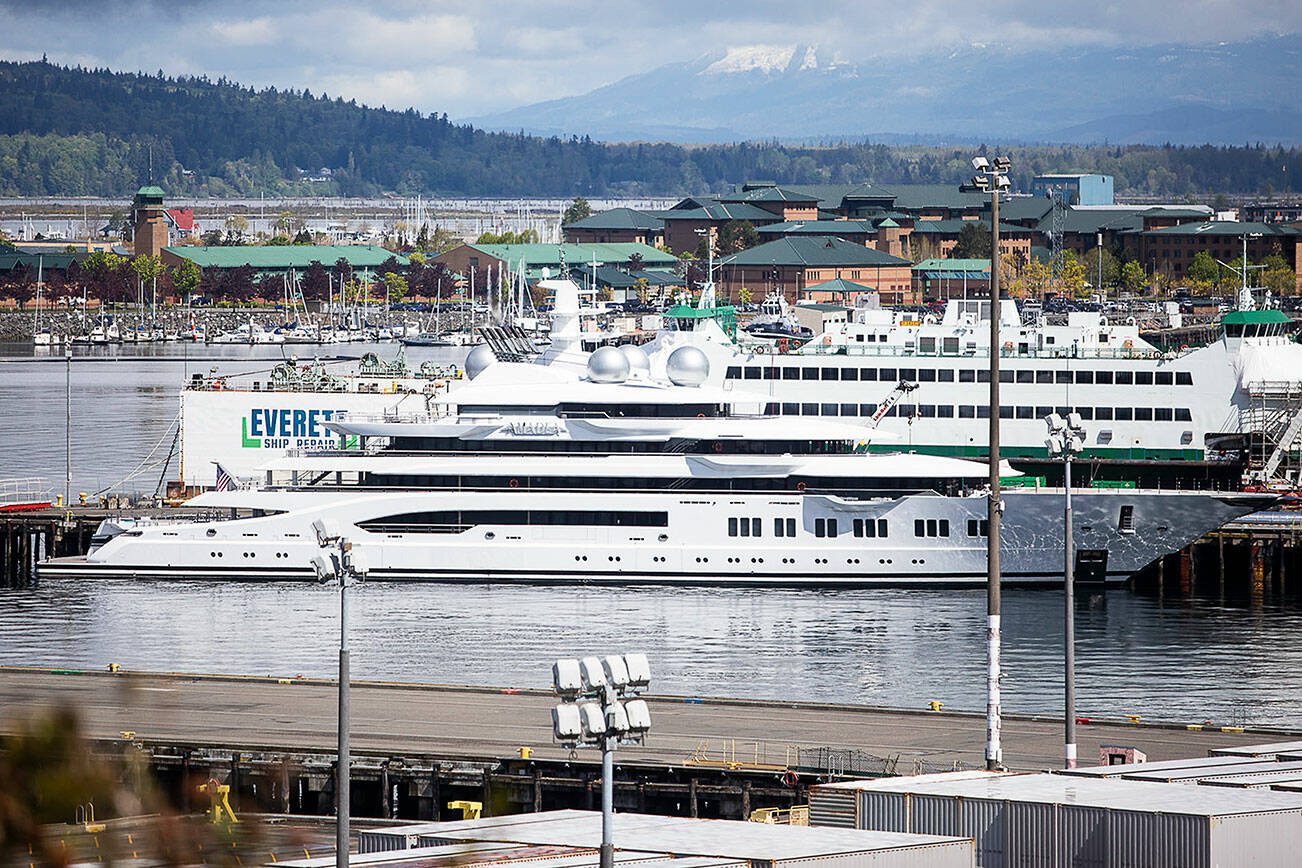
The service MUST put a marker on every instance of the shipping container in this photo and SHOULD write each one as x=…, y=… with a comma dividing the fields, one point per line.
x=1258, y=750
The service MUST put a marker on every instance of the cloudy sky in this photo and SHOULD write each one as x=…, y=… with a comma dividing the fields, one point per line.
x=473, y=57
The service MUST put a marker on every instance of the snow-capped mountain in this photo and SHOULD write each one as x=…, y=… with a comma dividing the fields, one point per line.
x=1187, y=94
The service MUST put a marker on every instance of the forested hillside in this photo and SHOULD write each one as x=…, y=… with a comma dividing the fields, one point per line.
x=75, y=132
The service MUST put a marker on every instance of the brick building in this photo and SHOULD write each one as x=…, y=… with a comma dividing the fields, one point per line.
x=937, y=238
x=792, y=265
x=148, y=222
x=617, y=226
x=1170, y=250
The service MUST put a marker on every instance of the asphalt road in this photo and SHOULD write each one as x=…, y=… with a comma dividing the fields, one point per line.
x=484, y=723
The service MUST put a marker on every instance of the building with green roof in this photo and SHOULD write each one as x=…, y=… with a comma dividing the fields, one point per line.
x=535, y=259
x=275, y=260
x=794, y=264
x=858, y=231
x=1170, y=250
x=952, y=278
x=618, y=225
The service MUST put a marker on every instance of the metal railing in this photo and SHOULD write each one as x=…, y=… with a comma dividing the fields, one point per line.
x=25, y=489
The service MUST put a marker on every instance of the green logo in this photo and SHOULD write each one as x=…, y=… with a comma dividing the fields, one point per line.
x=245, y=440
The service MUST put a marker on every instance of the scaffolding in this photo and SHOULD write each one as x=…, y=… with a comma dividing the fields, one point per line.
x=1272, y=421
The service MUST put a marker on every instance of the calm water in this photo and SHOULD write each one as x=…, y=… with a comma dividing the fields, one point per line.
x=1174, y=659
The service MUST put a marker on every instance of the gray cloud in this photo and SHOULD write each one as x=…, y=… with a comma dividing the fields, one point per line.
x=469, y=58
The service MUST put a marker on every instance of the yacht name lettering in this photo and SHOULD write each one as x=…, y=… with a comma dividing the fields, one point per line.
x=535, y=428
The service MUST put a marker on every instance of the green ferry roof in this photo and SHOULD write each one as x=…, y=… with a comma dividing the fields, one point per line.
x=684, y=311
x=1254, y=317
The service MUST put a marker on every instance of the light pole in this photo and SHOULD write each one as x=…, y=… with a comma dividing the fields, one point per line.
x=1067, y=438
x=992, y=176
x=338, y=560
x=599, y=708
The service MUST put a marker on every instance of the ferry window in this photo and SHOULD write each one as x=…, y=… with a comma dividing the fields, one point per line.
x=734, y=372
x=1044, y=376
x=1164, y=378
x=931, y=527
x=831, y=409
x=809, y=373
x=808, y=409
x=881, y=528
x=745, y=527
x=945, y=411
x=967, y=376
x=1084, y=377
x=1041, y=412
x=771, y=409
x=978, y=527
x=732, y=526
x=966, y=411
x=756, y=529
x=868, y=374
x=849, y=373
x=752, y=373
x=849, y=409
x=831, y=527
x=1163, y=414
x=779, y=527
x=905, y=411
x=926, y=375
x=1103, y=413
x=1183, y=378
x=1143, y=414
x=1024, y=412
x=790, y=409
x=908, y=374
x=831, y=374
x=791, y=373
x=888, y=374
x=1005, y=376
x=873, y=528
x=919, y=527
x=1086, y=413
x=1124, y=414
x=927, y=411
x=1143, y=378
x=770, y=373
x=983, y=411
x=1125, y=378
x=944, y=527
x=1026, y=376
x=791, y=527
x=949, y=346
x=820, y=527
x=1182, y=414
x=1103, y=378
x=926, y=345
x=982, y=375
x=857, y=527
x=945, y=375
x=1062, y=376
x=867, y=409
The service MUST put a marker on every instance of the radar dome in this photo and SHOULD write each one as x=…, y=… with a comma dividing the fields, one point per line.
x=637, y=358
x=607, y=365
x=477, y=359
x=687, y=366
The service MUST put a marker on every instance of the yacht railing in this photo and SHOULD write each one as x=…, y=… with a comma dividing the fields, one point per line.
x=896, y=350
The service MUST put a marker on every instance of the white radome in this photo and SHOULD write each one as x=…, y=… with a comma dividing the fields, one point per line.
x=607, y=365
x=477, y=359
x=637, y=358
x=688, y=366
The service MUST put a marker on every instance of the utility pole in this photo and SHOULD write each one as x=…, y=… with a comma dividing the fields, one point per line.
x=1067, y=438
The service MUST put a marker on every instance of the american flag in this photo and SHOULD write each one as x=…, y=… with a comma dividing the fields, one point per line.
x=225, y=482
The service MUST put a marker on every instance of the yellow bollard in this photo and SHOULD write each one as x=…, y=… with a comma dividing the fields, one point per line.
x=935, y=705
x=115, y=667
x=526, y=752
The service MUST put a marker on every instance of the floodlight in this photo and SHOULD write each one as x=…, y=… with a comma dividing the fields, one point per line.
x=980, y=163
x=567, y=724
x=639, y=671
x=566, y=679
x=323, y=567
x=1075, y=422
x=616, y=671
x=981, y=182
x=1002, y=164
x=1054, y=444
x=1054, y=421
x=326, y=531
x=639, y=716
x=1002, y=182
x=358, y=562
x=1076, y=443
x=592, y=721
x=617, y=718
x=594, y=677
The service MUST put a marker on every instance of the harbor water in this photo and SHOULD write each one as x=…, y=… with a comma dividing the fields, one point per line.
x=1187, y=659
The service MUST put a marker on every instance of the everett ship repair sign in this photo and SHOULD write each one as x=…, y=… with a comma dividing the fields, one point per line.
x=244, y=430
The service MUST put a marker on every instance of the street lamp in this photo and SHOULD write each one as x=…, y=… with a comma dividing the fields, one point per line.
x=338, y=560
x=599, y=708
x=1067, y=438
x=992, y=177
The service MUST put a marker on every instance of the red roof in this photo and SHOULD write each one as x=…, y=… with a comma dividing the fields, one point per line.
x=182, y=218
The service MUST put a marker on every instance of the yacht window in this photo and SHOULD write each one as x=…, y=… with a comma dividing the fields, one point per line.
x=1084, y=377
x=1182, y=414
x=784, y=527
x=831, y=409
x=1143, y=414
x=1125, y=378
x=791, y=527
x=831, y=527
x=967, y=376
x=831, y=374
x=1005, y=376
x=791, y=373
x=1026, y=376
x=1183, y=378
x=849, y=409
x=1024, y=412
x=1124, y=414
x=752, y=372
x=849, y=373
x=1163, y=414
x=1164, y=378
x=1086, y=413
x=808, y=409
x=888, y=374
x=978, y=527
x=857, y=527
x=820, y=527
x=945, y=375
x=881, y=528
x=456, y=521
x=1102, y=378
x=1143, y=378
x=926, y=375
x=945, y=411
x=809, y=373
x=1062, y=376
x=868, y=374
x=966, y=411
x=734, y=372
x=790, y=408
x=1044, y=376
x=732, y=526
x=1103, y=414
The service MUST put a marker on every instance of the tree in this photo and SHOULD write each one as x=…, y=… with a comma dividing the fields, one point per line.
x=1203, y=270
x=736, y=236
x=974, y=242
x=744, y=296
x=438, y=241
x=576, y=211
x=1031, y=281
x=1071, y=274
x=1111, y=269
x=1133, y=278
x=395, y=286
x=185, y=278
x=237, y=226
x=316, y=282
x=1278, y=276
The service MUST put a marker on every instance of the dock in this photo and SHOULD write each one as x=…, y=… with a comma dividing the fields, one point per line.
x=416, y=746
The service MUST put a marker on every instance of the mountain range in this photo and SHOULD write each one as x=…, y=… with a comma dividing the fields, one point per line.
x=1226, y=93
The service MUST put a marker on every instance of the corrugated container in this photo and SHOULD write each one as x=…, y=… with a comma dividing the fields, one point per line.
x=1258, y=750
x=1193, y=774
x=1058, y=820
x=881, y=811
x=834, y=808
x=1124, y=769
